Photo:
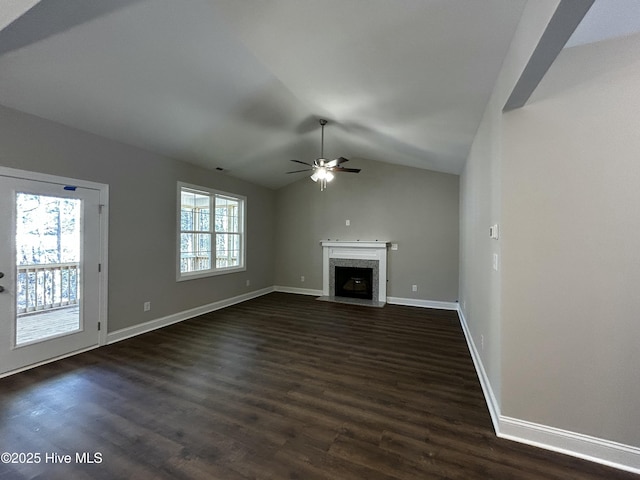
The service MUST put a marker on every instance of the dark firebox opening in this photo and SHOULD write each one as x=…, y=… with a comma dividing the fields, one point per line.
x=354, y=282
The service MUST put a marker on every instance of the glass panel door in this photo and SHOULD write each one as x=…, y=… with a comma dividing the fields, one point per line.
x=48, y=277
x=49, y=257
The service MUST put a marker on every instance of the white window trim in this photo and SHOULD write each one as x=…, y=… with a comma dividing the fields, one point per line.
x=181, y=277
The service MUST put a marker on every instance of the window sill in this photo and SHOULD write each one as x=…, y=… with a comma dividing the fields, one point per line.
x=181, y=277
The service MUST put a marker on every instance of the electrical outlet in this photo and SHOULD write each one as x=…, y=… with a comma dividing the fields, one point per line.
x=147, y=306
x=495, y=262
x=347, y=223
x=302, y=278
x=248, y=283
x=482, y=342
x=414, y=288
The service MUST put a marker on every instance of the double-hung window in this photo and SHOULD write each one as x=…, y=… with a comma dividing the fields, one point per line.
x=211, y=232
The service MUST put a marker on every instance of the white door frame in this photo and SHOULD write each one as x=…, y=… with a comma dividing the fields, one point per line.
x=103, y=190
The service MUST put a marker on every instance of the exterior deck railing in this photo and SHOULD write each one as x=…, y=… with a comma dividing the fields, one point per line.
x=47, y=287
x=196, y=263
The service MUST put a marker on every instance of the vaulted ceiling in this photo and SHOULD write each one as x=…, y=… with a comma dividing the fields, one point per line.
x=240, y=85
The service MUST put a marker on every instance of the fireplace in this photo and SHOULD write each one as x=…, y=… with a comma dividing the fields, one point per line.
x=354, y=282
x=358, y=267
x=366, y=262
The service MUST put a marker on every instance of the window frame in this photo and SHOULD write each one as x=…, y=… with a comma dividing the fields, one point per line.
x=242, y=225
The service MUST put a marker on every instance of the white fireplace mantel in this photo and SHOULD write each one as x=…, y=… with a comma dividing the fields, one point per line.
x=355, y=244
x=358, y=250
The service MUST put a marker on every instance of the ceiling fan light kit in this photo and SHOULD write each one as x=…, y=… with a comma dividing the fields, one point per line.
x=322, y=169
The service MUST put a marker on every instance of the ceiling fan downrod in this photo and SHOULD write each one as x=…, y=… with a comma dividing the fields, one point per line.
x=323, y=122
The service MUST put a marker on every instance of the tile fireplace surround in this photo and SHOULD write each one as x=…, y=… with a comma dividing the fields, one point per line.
x=356, y=253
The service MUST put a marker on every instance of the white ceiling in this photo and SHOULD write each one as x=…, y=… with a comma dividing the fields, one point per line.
x=12, y=9
x=607, y=19
x=240, y=84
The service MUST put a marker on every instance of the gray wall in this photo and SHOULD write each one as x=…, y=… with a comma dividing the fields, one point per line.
x=571, y=251
x=481, y=205
x=559, y=319
x=417, y=209
x=142, y=236
x=479, y=284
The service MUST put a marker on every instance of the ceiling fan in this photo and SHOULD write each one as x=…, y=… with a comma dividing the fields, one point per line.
x=322, y=168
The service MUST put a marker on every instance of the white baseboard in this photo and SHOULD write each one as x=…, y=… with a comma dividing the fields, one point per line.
x=416, y=302
x=129, y=332
x=410, y=302
x=487, y=390
x=606, y=452
x=299, y=291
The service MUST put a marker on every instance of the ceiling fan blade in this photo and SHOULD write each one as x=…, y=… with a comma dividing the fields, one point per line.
x=304, y=163
x=336, y=161
x=298, y=171
x=348, y=170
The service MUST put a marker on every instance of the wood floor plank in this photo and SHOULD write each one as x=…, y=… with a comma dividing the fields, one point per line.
x=279, y=387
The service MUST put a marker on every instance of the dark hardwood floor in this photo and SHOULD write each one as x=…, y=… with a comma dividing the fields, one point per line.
x=280, y=387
